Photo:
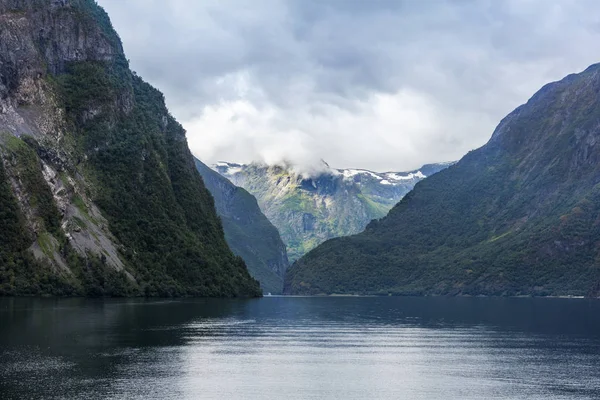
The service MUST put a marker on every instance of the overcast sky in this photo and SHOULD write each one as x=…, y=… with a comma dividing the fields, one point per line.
x=379, y=84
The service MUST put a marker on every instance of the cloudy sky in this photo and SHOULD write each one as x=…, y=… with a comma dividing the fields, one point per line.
x=378, y=84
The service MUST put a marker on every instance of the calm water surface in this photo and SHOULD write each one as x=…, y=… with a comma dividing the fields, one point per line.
x=300, y=348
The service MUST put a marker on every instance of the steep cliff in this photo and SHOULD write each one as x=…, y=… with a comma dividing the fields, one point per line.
x=248, y=232
x=99, y=191
x=308, y=210
x=519, y=216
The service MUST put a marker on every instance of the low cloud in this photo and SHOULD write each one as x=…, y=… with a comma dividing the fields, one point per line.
x=384, y=85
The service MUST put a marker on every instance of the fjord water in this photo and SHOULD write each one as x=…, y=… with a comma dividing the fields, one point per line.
x=300, y=348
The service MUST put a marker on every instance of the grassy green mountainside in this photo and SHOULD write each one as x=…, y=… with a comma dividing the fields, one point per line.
x=99, y=194
x=519, y=216
x=248, y=232
x=308, y=210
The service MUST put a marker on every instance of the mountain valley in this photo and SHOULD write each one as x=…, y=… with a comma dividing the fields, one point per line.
x=308, y=210
x=248, y=232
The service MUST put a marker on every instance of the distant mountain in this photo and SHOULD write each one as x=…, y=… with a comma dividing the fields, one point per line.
x=248, y=232
x=519, y=216
x=337, y=202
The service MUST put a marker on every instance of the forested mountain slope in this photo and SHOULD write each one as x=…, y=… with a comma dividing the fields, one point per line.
x=99, y=194
x=519, y=216
x=248, y=232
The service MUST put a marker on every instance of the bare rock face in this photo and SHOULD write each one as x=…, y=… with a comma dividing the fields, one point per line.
x=42, y=39
x=37, y=41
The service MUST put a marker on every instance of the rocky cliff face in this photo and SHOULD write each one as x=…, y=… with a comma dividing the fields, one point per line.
x=519, y=216
x=99, y=191
x=248, y=232
x=310, y=210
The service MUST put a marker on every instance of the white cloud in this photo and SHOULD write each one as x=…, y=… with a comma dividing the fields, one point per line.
x=382, y=131
x=384, y=85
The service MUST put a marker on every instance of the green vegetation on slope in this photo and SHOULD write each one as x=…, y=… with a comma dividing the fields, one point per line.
x=247, y=231
x=519, y=216
x=27, y=167
x=20, y=272
x=147, y=186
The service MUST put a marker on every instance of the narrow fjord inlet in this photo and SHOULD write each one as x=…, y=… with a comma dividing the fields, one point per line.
x=135, y=263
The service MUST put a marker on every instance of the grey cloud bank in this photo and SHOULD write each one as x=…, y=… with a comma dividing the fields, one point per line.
x=384, y=85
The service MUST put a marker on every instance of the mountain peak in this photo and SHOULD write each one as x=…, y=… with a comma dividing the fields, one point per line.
x=357, y=175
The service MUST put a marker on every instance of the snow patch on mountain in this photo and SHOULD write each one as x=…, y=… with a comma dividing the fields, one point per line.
x=413, y=175
x=349, y=173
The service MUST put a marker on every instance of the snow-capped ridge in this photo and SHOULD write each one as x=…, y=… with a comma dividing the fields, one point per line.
x=322, y=169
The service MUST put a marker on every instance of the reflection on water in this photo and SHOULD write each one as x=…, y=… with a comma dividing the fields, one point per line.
x=300, y=348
